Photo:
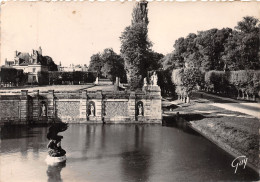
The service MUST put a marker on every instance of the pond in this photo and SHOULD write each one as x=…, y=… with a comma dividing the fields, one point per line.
x=116, y=153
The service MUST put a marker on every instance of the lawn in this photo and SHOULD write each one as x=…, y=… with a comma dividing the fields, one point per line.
x=48, y=87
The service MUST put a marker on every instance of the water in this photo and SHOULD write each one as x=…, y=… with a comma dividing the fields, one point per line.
x=116, y=153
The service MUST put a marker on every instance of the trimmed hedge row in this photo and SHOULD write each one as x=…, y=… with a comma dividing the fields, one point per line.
x=12, y=76
x=245, y=81
x=76, y=77
x=15, y=77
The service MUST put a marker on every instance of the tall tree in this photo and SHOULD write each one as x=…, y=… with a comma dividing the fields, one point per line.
x=135, y=46
x=96, y=63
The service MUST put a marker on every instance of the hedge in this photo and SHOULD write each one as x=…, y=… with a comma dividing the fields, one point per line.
x=242, y=80
x=12, y=75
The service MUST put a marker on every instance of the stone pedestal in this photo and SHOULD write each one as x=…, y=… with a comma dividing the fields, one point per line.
x=154, y=103
x=51, y=106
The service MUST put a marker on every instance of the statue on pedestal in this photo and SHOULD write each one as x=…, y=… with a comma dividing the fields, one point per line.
x=154, y=79
x=140, y=110
x=43, y=110
x=55, y=152
x=92, y=110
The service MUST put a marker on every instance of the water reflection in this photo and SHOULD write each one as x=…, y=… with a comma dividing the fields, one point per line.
x=136, y=163
x=54, y=172
x=14, y=139
x=117, y=153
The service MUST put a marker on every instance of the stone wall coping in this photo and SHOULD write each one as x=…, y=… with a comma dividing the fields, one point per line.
x=115, y=100
x=69, y=100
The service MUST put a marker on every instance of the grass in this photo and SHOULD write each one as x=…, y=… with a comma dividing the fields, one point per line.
x=48, y=87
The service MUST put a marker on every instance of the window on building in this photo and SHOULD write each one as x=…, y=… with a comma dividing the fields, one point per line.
x=34, y=78
x=34, y=69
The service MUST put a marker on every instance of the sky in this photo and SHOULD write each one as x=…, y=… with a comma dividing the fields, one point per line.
x=71, y=32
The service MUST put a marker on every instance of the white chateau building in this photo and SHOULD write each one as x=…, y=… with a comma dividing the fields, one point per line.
x=29, y=63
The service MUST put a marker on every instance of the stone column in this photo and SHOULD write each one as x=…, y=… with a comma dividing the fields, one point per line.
x=36, y=107
x=24, y=107
x=131, y=106
x=51, y=106
x=83, y=106
x=156, y=104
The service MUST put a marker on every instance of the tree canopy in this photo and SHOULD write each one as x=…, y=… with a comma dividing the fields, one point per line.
x=135, y=46
x=219, y=49
x=108, y=64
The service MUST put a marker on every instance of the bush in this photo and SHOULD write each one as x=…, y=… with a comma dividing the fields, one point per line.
x=217, y=81
x=186, y=80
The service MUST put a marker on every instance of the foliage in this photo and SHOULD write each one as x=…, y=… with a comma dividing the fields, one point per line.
x=113, y=65
x=43, y=78
x=186, y=80
x=191, y=78
x=77, y=77
x=50, y=63
x=243, y=80
x=153, y=62
x=218, y=49
x=216, y=80
x=12, y=75
x=108, y=64
x=96, y=63
x=135, y=46
x=165, y=82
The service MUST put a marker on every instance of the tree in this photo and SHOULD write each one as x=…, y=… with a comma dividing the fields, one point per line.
x=135, y=46
x=186, y=80
x=96, y=63
x=108, y=64
x=242, y=47
x=153, y=61
x=113, y=65
x=50, y=63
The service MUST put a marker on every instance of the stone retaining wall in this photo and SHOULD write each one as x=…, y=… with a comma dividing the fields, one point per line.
x=82, y=107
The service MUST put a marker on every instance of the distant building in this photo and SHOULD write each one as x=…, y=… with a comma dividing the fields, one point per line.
x=29, y=63
x=72, y=68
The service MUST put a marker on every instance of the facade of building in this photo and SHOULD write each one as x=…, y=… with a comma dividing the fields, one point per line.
x=72, y=68
x=29, y=63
